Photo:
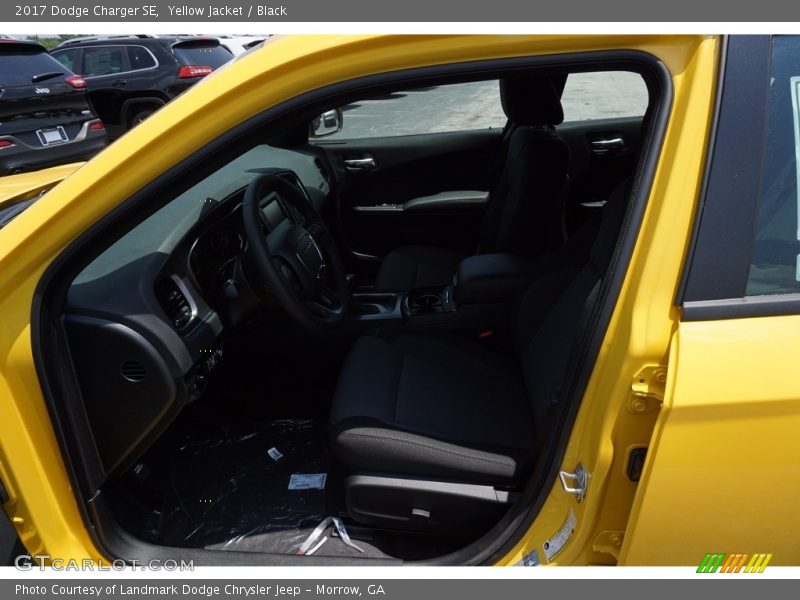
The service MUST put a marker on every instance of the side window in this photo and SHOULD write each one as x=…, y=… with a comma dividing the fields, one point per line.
x=67, y=58
x=604, y=95
x=438, y=109
x=775, y=259
x=103, y=61
x=140, y=58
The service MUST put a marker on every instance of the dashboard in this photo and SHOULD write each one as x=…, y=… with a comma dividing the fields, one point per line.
x=146, y=336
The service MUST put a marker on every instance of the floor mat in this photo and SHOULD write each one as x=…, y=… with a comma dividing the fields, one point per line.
x=234, y=484
x=227, y=488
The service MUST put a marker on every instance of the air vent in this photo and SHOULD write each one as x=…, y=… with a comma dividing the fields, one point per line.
x=174, y=303
x=132, y=370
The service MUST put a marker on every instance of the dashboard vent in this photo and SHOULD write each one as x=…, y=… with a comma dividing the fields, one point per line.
x=174, y=303
x=132, y=370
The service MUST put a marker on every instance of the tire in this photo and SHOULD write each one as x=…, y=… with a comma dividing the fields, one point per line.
x=139, y=117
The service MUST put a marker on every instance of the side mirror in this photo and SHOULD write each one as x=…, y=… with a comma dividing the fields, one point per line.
x=326, y=124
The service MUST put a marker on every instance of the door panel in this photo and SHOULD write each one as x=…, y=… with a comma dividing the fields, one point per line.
x=603, y=152
x=381, y=175
x=723, y=468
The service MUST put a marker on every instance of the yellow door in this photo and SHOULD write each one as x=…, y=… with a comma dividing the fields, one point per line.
x=723, y=471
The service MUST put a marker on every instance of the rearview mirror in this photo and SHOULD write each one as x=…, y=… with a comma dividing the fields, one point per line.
x=326, y=124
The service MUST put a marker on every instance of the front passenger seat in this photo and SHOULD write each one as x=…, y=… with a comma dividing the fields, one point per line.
x=524, y=196
x=433, y=426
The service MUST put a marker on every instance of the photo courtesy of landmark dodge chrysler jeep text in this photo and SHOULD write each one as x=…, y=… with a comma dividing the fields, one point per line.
x=376, y=300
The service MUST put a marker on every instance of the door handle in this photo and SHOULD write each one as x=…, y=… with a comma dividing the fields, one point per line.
x=119, y=82
x=604, y=145
x=359, y=164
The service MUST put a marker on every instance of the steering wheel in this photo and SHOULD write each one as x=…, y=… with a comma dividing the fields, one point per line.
x=297, y=259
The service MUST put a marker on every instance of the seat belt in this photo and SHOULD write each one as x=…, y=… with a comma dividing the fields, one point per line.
x=497, y=171
x=555, y=404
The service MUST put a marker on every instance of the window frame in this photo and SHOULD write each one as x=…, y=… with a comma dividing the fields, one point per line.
x=50, y=293
x=124, y=47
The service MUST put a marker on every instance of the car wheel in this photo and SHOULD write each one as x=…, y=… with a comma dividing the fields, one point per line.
x=139, y=117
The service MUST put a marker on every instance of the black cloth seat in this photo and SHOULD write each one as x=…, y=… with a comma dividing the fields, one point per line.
x=436, y=405
x=523, y=202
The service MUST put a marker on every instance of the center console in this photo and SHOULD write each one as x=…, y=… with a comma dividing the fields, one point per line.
x=483, y=291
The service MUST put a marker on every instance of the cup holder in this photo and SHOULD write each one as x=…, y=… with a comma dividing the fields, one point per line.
x=424, y=301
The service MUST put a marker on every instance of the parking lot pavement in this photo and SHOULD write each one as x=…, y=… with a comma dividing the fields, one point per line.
x=477, y=105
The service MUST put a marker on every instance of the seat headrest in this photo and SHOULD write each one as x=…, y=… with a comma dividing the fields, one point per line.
x=531, y=100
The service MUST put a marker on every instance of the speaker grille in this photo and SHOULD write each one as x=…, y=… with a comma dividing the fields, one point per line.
x=132, y=370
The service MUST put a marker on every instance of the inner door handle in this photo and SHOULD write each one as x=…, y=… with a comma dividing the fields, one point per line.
x=359, y=164
x=604, y=145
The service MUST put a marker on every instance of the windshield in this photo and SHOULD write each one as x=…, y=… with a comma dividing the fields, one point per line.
x=162, y=231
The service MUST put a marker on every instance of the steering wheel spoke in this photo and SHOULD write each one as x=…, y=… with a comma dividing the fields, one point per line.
x=316, y=231
x=298, y=260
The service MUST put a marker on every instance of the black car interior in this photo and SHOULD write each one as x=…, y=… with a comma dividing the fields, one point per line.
x=382, y=350
x=531, y=173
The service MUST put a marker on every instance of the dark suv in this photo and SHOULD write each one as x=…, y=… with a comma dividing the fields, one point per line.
x=45, y=115
x=131, y=77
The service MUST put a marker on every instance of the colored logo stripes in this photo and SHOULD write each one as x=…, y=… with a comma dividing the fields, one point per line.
x=734, y=563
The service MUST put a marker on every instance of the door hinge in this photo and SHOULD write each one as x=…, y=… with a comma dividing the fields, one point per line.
x=608, y=542
x=575, y=482
x=647, y=389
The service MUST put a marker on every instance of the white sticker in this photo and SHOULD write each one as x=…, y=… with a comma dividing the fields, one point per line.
x=554, y=545
x=274, y=454
x=307, y=481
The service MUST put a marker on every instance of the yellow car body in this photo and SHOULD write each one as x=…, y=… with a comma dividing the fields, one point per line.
x=716, y=402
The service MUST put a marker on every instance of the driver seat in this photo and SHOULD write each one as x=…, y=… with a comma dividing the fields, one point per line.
x=437, y=430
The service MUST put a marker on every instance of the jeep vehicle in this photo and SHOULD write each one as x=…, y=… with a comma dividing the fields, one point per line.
x=129, y=78
x=396, y=299
x=45, y=115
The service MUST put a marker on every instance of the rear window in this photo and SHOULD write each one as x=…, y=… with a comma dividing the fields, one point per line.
x=207, y=56
x=140, y=58
x=19, y=68
x=604, y=95
x=67, y=58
